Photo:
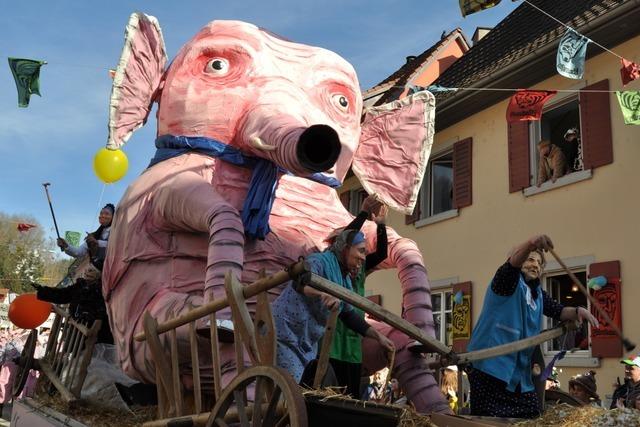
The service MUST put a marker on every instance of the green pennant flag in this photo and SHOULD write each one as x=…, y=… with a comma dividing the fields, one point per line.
x=72, y=237
x=629, y=101
x=26, y=73
x=472, y=6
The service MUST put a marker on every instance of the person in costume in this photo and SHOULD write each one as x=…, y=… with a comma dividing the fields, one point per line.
x=95, y=244
x=300, y=313
x=513, y=307
x=584, y=388
x=346, y=349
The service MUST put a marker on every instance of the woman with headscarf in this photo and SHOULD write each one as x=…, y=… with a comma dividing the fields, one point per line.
x=95, y=243
x=300, y=313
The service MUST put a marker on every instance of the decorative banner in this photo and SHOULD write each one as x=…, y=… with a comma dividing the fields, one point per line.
x=467, y=7
x=629, y=101
x=26, y=73
x=72, y=237
x=527, y=105
x=22, y=227
x=629, y=71
x=571, y=53
x=461, y=319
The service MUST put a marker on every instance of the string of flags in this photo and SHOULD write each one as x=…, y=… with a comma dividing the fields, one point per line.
x=527, y=105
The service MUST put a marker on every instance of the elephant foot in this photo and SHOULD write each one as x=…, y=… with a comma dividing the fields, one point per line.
x=225, y=330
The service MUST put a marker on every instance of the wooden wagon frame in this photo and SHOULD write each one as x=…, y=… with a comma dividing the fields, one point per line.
x=278, y=400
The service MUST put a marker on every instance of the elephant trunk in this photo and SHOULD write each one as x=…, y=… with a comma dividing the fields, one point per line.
x=298, y=149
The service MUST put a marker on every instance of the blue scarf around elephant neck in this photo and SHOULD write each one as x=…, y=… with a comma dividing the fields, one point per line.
x=264, y=178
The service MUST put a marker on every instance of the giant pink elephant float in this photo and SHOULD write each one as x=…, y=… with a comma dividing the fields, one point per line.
x=254, y=131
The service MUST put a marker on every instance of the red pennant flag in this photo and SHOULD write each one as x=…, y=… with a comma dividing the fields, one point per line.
x=527, y=104
x=629, y=71
x=112, y=73
x=22, y=227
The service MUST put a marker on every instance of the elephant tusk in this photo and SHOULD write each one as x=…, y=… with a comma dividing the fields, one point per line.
x=257, y=143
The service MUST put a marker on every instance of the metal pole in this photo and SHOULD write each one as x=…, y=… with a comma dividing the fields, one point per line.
x=46, y=190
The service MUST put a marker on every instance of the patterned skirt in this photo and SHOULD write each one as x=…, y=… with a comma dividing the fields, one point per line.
x=490, y=397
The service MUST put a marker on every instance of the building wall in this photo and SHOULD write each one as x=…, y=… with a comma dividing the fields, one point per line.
x=595, y=218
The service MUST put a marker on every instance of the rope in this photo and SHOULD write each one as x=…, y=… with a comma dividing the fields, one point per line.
x=568, y=27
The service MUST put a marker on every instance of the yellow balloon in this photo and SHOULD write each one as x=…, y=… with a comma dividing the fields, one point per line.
x=110, y=165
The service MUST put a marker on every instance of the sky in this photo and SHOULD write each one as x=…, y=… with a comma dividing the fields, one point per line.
x=55, y=138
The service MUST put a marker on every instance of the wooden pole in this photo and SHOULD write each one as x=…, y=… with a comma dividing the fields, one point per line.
x=324, y=285
x=248, y=291
x=325, y=349
x=628, y=345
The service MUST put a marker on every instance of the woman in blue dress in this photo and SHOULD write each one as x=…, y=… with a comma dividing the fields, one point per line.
x=300, y=313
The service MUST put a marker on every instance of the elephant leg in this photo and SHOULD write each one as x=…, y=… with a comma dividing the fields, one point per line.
x=189, y=203
x=411, y=370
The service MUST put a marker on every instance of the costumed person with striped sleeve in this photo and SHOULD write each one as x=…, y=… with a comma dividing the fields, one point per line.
x=513, y=308
x=300, y=313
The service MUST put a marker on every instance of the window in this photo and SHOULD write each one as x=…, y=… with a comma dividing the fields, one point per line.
x=561, y=288
x=352, y=200
x=437, y=189
x=590, y=113
x=557, y=125
x=441, y=303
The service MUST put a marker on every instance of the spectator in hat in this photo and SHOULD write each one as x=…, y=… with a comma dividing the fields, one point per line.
x=583, y=387
x=552, y=382
x=449, y=386
x=626, y=395
x=95, y=243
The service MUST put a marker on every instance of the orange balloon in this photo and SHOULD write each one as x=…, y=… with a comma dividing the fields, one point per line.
x=28, y=312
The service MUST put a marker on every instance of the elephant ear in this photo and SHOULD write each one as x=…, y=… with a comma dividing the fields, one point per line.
x=394, y=149
x=137, y=80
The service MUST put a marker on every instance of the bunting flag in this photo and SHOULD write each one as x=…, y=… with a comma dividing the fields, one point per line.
x=629, y=101
x=527, y=105
x=571, y=53
x=438, y=89
x=629, y=71
x=23, y=226
x=26, y=73
x=467, y=7
x=72, y=237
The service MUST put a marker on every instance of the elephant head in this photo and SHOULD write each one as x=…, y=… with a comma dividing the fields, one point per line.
x=297, y=106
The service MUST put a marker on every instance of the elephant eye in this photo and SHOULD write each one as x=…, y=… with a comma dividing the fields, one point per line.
x=341, y=101
x=218, y=66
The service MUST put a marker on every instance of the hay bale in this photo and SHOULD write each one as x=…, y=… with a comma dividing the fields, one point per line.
x=564, y=415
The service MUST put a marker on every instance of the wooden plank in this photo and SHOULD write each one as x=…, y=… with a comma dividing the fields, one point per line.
x=248, y=291
x=163, y=372
x=53, y=334
x=215, y=357
x=242, y=321
x=325, y=349
x=195, y=367
x=375, y=310
x=46, y=369
x=85, y=359
x=175, y=371
x=265, y=329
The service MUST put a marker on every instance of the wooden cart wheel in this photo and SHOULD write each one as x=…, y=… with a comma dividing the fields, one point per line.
x=278, y=401
x=25, y=363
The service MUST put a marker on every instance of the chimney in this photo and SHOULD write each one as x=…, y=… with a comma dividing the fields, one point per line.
x=411, y=58
x=479, y=34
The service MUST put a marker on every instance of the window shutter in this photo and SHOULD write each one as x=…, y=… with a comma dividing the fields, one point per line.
x=595, y=121
x=518, y=146
x=462, y=173
x=461, y=317
x=345, y=198
x=410, y=219
x=604, y=342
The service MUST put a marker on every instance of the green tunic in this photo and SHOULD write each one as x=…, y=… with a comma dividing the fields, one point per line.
x=347, y=344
